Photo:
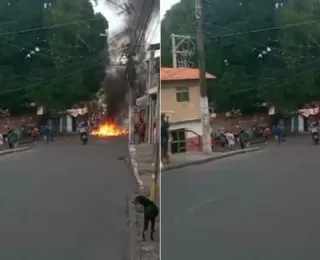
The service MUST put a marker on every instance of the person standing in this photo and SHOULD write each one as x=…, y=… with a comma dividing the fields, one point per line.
x=278, y=134
x=219, y=137
x=1, y=140
x=12, y=139
x=266, y=134
x=142, y=131
x=241, y=138
x=230, y=139
x=46, y=134
x=35, y=134
x=164, y=138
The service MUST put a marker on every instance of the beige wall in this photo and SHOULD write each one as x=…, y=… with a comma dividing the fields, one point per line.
x=182, y=110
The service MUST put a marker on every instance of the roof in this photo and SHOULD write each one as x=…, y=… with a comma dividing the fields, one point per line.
x=168, y=74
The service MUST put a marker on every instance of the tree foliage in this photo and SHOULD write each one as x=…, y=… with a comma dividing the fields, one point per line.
x=51, y=54
x=275, y=61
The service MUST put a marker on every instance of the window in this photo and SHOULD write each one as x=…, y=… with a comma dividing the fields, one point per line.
x=182, y=94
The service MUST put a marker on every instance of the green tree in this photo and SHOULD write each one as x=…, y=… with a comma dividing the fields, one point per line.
x=77, y=46
x=29, y=60
x=301, y=50
x=251, y=67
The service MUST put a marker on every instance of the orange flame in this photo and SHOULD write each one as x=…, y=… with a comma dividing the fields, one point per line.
x=109, y=129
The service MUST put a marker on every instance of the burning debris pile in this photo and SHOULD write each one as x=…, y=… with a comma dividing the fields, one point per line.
x=131, y=47
x=109, y=129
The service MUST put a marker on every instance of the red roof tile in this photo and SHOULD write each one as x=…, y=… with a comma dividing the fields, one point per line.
x=168, y=74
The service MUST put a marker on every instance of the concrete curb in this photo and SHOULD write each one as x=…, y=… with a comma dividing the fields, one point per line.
x=202, y=161
x=135, y=251
x=17, y=150
x=26, y=142
x=134, y=243
x=132, y=152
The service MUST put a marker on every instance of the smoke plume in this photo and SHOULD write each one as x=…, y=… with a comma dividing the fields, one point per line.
x=138, y=16
x=115, y=88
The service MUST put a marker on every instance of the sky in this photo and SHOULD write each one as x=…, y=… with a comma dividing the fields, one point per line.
x=116, y=23
x=165, y=5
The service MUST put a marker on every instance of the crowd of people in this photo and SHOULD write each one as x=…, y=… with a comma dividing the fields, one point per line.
x=229, y=139
x=12, y=136
x=223, y=138
x=243, y=137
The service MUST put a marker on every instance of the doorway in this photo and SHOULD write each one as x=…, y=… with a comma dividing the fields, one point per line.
x=178, y=143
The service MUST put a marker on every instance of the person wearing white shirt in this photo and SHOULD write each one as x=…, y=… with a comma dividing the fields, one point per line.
x=1, y=139
x=231, y=139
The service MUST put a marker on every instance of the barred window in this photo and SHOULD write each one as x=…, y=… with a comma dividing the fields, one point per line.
x=182, y=94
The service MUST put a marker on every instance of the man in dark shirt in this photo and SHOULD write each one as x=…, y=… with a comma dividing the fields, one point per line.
x=46, y=134
x=164, y=138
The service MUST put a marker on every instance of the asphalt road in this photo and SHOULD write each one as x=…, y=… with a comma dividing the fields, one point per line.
x=65, y=201
x=256, y=206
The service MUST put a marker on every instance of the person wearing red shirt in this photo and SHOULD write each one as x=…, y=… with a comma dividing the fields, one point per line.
x=142, y=131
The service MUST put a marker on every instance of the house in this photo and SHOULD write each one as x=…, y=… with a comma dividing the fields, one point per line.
x=147, y=103
x=67, y=121
x=180, y=101
x=301, y=121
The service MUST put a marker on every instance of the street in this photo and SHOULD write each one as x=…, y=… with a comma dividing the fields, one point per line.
x=262, y=205
x=66, y=201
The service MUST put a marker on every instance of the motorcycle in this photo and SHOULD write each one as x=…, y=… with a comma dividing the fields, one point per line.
x=315, y=138
x=84, y=138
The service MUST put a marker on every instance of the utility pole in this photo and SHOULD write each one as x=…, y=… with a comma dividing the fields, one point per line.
x=154, y=189
x=130, y=101
x=204, y=106
x=129, y=74
x=174, y=53
x=150, y=84
x=156, y=163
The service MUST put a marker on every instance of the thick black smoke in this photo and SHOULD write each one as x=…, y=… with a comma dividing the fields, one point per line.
x=115, y=88
x=141, y=14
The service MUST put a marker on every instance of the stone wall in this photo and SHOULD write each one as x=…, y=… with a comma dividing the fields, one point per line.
x=232, y=123
x=16, y=122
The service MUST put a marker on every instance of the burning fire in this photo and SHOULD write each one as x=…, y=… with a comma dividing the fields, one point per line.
x=109, y=129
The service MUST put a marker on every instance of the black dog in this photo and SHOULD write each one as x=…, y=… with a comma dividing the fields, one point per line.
x=150, y=212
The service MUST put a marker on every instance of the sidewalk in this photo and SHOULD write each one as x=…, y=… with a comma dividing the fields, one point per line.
x=15, y=150
x=144, y=158
x=142, y=161
x=186, y=159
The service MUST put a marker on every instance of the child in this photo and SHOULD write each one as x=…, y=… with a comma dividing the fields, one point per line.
x=231, y=140
x=266, y=134
x=35, y=133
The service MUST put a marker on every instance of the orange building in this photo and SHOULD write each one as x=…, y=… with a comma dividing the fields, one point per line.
x=180, y=101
